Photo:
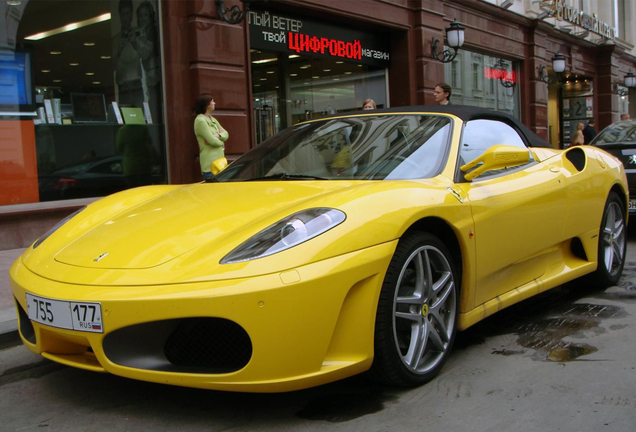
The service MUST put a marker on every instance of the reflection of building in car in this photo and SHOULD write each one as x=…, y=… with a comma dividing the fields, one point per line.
x=97, y=177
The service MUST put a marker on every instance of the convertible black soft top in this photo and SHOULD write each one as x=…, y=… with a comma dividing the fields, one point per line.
x=472, y=113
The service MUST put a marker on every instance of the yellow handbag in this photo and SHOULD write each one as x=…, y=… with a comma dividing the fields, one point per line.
x=219, y=165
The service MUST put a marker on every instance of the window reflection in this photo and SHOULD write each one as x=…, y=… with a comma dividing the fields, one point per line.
x=87, y=85
x=365, y=147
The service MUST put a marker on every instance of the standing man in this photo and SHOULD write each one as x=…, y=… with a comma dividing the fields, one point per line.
x=442, y=94
x=589, y=132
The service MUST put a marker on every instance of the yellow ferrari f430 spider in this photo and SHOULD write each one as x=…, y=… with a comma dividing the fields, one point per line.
x=339, y=246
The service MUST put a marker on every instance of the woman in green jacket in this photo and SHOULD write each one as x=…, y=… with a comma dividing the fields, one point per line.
x=210, y=134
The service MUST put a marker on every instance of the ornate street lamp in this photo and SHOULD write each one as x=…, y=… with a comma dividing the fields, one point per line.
x=558, y=65
x=454, y=39
x=236, y=15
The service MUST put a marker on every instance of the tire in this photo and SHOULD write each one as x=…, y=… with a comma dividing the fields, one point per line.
x=612, y=244
x=417, y=312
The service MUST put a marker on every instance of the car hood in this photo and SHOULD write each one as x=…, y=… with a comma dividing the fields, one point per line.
x=179, y=234
x=177, y=222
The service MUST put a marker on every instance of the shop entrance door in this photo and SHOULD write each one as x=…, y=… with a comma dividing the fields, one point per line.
x=577, y=106
x=263, y=123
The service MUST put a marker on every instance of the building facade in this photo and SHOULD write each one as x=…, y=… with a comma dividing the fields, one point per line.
x=97, y=96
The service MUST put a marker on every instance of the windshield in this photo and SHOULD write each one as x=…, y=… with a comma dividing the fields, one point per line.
x=623, y=132
x=355, y=148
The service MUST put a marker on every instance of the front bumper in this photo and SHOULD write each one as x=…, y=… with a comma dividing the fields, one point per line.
x=306, y=326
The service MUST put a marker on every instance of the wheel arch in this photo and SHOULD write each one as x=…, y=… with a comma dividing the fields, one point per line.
x=622, y=194
x=445, y=232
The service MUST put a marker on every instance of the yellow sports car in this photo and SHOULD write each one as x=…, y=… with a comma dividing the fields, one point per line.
x=341, y=245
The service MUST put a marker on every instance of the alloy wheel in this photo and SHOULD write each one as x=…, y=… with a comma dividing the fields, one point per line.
x=424, y=309
x=613, y=241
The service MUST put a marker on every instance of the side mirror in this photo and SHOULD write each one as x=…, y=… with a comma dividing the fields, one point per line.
x=218, y=165
x=496, y=157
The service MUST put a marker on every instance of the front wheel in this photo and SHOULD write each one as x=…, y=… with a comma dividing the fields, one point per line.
x=417, y=312
x=612, y=243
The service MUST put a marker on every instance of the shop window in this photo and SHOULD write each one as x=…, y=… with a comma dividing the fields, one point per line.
x=288, y=89
x=83, y=110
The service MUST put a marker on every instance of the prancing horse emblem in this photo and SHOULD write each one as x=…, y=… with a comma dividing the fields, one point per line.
x=100, y=257
x=632, y=160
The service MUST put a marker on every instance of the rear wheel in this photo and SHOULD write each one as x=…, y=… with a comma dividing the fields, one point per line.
x=612, y=243
x=417, y=312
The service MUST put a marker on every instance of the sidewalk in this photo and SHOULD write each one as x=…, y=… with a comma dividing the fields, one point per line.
x=8, y=316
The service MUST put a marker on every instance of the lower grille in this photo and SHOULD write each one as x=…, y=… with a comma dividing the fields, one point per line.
x=190, y=345
x=209, y=343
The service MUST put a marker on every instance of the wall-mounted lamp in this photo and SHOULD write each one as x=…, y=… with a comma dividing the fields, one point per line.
x=622, y=89
x=236, y=15
x=454, y=39
x=630, y=80
x=558, y=65
x=619, y=89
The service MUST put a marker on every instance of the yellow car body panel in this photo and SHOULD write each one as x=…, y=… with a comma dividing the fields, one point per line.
x=152, y=254
x=338, y=294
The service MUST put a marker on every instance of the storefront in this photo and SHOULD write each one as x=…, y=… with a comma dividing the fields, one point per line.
x=590, y=87
x=81, y=109
x=97, y=95
x=304, y=69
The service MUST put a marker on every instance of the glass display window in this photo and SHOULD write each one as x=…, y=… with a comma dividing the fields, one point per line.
x=83, y=110
x=304, y=68
x=287, y=89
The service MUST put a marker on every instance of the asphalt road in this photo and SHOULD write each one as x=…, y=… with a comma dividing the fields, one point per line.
x=563, y=361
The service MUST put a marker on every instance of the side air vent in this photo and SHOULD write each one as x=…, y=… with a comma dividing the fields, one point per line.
x=577, y=248
x=577, y=157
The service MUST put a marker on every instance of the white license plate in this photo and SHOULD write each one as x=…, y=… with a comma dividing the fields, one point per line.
x=80, y=316
x=632, y=205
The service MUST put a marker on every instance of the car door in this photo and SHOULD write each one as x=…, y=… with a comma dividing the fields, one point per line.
x=518, y=212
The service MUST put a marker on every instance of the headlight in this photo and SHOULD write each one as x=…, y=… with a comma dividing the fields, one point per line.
x=287, y=233
x=39, y=241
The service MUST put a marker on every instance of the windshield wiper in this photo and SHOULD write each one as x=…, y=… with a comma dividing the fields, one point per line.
x=285, y=176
